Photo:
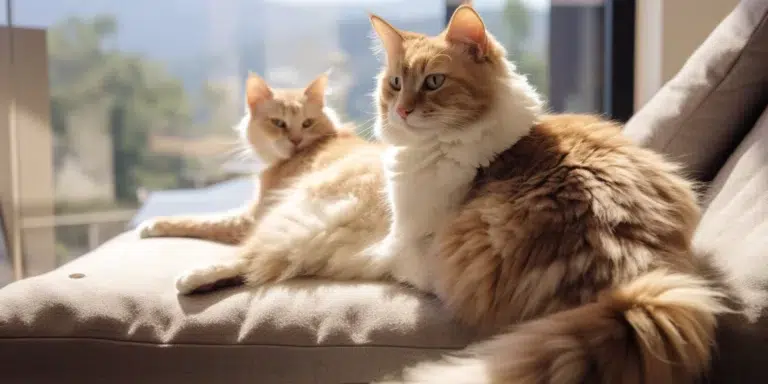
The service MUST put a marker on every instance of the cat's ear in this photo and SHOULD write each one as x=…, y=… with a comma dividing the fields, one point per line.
x=390, y=37
x=315, y=91
x=466, y=27
x=256, y=91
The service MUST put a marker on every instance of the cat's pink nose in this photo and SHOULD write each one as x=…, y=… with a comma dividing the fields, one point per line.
x=404, y=112
x=295, y=140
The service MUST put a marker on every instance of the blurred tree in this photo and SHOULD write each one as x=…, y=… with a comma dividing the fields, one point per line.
x=220, y=110
x=134, y=95
x=519, y=30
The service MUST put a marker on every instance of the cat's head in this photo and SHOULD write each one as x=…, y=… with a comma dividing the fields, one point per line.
x=283, y=121
x=433, y=84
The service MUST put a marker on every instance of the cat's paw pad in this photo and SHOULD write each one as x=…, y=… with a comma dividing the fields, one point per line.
x=191, y=280
x=149, y=228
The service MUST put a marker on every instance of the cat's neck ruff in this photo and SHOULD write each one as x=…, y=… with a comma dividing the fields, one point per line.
x=511, y=117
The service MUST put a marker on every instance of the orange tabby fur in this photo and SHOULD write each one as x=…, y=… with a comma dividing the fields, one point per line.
x=290, y=105
x=574, y=214
x=571, y=232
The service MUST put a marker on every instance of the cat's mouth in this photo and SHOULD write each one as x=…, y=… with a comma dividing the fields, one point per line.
x=399, y=122
x=413, y=127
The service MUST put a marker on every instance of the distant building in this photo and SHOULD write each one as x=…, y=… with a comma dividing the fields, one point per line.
x=83, y=164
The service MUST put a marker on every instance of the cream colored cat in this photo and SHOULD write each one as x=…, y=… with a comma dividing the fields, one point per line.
x=321, y=199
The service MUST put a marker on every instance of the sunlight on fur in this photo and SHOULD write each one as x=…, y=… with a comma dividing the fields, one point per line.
x=553, y=232
x=555, y=223
x=321, y=199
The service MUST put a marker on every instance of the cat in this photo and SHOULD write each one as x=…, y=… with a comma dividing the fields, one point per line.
x=555, y=224
x=321, y=197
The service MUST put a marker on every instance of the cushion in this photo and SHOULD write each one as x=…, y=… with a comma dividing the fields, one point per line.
x=113, y=315
x=702, y=113
x=735, y=228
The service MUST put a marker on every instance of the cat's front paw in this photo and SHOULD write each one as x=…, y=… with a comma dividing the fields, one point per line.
x=388, y=248
x=150, y=228
x=211, y=277
x=191, y=280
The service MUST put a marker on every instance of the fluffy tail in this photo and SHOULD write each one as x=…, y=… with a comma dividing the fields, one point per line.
x=657, y=329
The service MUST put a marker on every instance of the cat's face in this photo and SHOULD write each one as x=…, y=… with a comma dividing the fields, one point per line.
x=287, y=119
x=432, y=84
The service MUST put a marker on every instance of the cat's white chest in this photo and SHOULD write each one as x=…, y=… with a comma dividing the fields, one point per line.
x=423, y=200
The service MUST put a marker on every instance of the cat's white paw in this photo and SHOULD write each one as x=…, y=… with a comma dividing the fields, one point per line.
x=210, y=277
x=193, y=279
x=407, y=258
x=148, y=228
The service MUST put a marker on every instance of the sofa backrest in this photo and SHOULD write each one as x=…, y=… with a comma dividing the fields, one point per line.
x=734, y=229
x=700, y=116
x=735, y=222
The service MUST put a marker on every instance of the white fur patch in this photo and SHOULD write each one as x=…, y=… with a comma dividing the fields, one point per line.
x=198, y=277
x=325, y=236
x=428, y=177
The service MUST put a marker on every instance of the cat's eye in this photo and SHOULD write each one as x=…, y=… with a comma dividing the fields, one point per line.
x=394, y=82
x=279, y=123
x=433, y=81
x=307, y=123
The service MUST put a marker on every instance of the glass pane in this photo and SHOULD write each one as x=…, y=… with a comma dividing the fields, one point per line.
x=522, y=27
x=139, y=106
x=132, y=111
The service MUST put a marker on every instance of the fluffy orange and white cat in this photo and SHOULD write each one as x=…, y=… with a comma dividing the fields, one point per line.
x=320, y=202
x=557, y=224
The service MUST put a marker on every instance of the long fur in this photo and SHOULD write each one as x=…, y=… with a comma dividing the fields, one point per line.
x=320, y=203
x=429, y=172
x=556, y=223
x=656, y=329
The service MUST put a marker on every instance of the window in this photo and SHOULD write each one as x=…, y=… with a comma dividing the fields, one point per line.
x=124, y=109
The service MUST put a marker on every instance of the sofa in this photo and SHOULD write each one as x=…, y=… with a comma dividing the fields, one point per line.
x=113, y=315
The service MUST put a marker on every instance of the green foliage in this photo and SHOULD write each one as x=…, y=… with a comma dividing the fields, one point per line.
x=518, y=29
x=137, y=97
x=519, y=25
x=536, y=69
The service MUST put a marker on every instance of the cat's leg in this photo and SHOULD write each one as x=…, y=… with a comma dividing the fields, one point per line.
x=407, y=258
x=340, y=239
x=212, y=276
x=327, y=238
x=231, y=228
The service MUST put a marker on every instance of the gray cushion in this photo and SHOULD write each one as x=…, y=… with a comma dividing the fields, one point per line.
x=122, y=321
x=735, y=229
x=700, y=115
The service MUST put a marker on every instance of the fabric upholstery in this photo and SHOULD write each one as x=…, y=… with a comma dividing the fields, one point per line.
x=113, y=315
x=735, y=229
x=702, y=113
x=125, y=306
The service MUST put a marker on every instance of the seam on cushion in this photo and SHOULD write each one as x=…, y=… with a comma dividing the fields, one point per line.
x=738, y=58
x=166, y=345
